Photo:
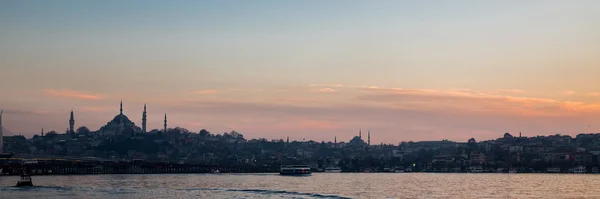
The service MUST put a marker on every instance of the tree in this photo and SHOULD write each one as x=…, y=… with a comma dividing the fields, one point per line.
x=204, y=133
x=235, y=134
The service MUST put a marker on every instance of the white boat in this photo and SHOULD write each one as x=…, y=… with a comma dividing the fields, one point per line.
x=332, y=170
x=579, y=169
x=477, y=169
x=295, y=170
x=553, y=170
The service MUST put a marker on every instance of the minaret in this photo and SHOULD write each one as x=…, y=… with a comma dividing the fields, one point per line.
x=288, y=139
x=369, y=138
x=42, y=131
x=335, y=140
x=121, y=107
x=1, y=135
x=165, y=122
x=360, y=133
x=144, y=120
x=72, y=123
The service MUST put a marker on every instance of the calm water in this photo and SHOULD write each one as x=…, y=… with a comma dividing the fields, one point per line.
x=320, y=185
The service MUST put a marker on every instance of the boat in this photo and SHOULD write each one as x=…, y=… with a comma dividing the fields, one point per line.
x=476, y=169
x=25, y=181
x=332, y=170
x=553, y=170
x=579, y=169
x=295, y=170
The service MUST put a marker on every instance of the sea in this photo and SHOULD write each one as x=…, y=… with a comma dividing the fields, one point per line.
x=319, y=185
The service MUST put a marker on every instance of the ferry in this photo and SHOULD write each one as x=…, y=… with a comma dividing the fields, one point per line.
x=295, y=170
x=25, y=181
x=579, y=169
x=477, y=169
x=553, y=170
x=332, y=170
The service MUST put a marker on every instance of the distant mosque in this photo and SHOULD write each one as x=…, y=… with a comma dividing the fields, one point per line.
x=120, y=124
x=357, y=140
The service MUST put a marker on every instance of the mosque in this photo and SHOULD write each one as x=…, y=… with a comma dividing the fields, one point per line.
x=120, y=124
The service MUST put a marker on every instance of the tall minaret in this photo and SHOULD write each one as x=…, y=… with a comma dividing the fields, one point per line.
x=72, y=123
x=165, y=122
x=369, y=138
x=42, y=131
x=335, y=140
x=121, y=107
x=1, y=135
x=359, y=133
x=288, y=139
x=144, y=120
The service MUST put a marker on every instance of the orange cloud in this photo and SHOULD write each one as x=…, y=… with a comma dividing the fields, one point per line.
x=203, y=92
x=73, y=94
x=290, y=99
x=479, y=101
x=326, y=85
x=568, y=93
x=323, y=90
x=594, y=94
x=97, y=108
x=305, y=125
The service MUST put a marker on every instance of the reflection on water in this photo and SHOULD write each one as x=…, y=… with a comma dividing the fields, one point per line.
x=320, y=185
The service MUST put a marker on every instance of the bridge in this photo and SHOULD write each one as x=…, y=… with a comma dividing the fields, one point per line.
x=69, y=167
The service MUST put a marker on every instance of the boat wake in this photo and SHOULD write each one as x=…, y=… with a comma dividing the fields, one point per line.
x=288, y=193
x=270, y=192
x=120, y=191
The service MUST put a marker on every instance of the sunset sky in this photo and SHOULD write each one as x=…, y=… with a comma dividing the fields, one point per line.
x=406, y=70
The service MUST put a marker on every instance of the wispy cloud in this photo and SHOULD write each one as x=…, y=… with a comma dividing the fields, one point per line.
x=251, y=90
x=73, y=94
x=99, y=109
x=568, y=93
x=203, y=92
x=594, y=94
x=24, y=112
x=307, y=125
x=326, y=85
x=473, y=100
x=323, y=90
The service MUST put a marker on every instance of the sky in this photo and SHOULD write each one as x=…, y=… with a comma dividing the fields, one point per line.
x=314, y=70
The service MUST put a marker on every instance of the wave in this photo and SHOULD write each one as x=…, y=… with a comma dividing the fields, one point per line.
x=57, y=188
x=288, y=193
x=134, y=190
x=262, y=191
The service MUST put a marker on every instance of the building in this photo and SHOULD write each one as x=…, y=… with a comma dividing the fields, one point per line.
x=120, y=124
x=1, y=133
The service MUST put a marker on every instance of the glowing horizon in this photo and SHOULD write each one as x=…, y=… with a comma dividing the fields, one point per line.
x=407, y=70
